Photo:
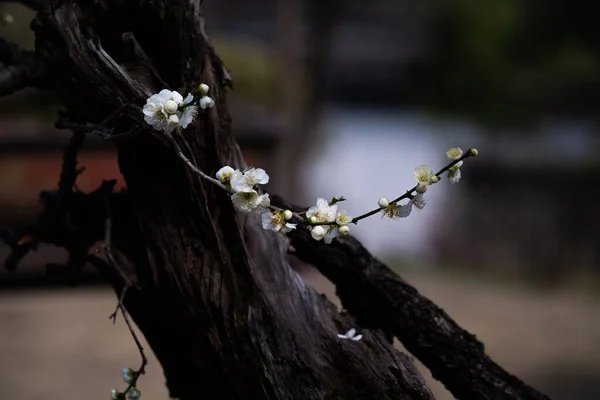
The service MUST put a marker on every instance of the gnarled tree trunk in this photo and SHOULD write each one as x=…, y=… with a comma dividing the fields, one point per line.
x=213, y=292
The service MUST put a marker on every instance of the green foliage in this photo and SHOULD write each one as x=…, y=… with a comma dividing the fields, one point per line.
x=506, y=61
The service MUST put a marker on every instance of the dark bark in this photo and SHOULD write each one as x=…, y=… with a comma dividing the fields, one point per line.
x=213, y=292
x=380, y=299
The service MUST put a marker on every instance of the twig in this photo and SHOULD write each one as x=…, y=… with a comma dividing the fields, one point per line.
x=142, y=369
x=190, y=165
x=407, y=195
x=101, y=129
x=120, y=302
x=120, y=305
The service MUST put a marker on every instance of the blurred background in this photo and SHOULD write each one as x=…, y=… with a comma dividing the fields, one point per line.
x=346, y=98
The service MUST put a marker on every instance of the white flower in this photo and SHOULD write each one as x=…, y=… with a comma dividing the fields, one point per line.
x=317, y=232
x=344, y=230
x=206, y=102
x=419, y=201
x=225, y=173
x=127, y=374
x=250, y=201
x=343, y=218
x=454, y=174
x=454, y=153
x=324, y=212
x=167, y=111
x=246, y=181
x=287, y=215
x=383, y=202
x=351, y=334
x=330, y=234
x=275, y=221
x=188, y=115
x=424, y=174
x=403, y=211
x=203, y=89
x=133, y=394
x=114, y=394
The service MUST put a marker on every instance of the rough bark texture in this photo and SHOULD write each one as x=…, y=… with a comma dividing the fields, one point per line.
x=214, y=294
x=385, y=301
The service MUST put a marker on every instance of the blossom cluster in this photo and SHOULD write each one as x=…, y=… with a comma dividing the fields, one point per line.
x=167, y=110
x=133, y=393
x=326, y=222
x=245, y=197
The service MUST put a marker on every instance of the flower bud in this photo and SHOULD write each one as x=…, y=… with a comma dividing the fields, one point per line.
x=8, y=19
x=203, y=88
x=383, y=202
x=114, y=394
x=473, y=152
x=171, y=107
x=343, y=230
x=206, y=102
x=133, y=394
x=318, y=232
x=313, y=220
x=435, y=179
x=173, y=118
x=287, y=215
x=421, y=188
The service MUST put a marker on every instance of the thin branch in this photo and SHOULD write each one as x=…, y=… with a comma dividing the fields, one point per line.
x=102, y=128
x=191, y=166
x=120, y=303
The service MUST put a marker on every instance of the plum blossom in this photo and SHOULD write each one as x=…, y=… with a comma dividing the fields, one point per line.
x=454, y=153
x=424, y=174
x=275, y=221
x=351, y=335
x=168, y=110
x=402, y=211
x=249, y=201
x=323, y=212
x=225, y=174
x=245, y=181
x=454, y=172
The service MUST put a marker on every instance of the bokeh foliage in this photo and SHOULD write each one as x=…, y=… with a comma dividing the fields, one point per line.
x=508, y=61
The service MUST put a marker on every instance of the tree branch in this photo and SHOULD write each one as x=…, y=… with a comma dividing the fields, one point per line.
x=379, y=298
x=18, y=68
